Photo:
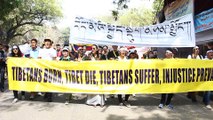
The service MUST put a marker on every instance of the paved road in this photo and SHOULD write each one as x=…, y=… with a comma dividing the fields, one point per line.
x=143, y=107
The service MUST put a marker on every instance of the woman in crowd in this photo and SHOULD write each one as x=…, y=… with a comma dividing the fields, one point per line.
x=122, y=56
x=16, y=52
x=132, y=54
x=66, y=57
x=94, y=99
x=95, y=53
x=195, y=55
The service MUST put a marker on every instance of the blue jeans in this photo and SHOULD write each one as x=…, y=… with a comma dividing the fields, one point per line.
x=207, y=97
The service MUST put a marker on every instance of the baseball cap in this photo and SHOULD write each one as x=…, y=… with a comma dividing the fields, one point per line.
x=131, y=51
x=15, y=47
x=65, y=49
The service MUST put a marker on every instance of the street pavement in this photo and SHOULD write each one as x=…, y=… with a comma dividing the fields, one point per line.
x=142, y=107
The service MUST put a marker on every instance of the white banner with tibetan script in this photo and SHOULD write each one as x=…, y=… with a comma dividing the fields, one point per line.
x=178, y=32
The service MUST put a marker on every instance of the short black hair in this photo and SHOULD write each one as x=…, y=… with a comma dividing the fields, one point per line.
x=47, y=40
x=105, y=46
x=34, y=40
x=210, y=43
x=57, y=45
x=6, y=46
x=95, y=46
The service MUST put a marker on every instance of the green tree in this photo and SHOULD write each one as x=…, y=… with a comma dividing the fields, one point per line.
x=120, y=5
x=158, y=10
x=123, y=4
x=136, y=17
x=26, y=15
x=157, y=5
x=6, y=6
x=65, y=34
x=132, y=17
x=57, y=35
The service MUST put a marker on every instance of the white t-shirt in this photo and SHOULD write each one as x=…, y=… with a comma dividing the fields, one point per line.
x=198, y=57
x=208, y=59
x=119, y=58
x=47, y=54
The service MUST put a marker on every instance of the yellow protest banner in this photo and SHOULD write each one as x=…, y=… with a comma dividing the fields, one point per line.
x=111, y=77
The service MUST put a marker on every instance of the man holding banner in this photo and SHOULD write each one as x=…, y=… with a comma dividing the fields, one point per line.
x=207, y=94
x=166, y=98
x=95, y=99
x=47, y=53
x=195, y=55
x=123, y=53
x=113, y=55
x=33, y=54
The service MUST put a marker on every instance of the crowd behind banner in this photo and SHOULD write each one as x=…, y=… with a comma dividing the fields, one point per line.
x=48, y=51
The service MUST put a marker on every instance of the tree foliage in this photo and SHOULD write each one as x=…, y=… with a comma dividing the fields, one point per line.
x=120, y=5
x=157, y=9
x=123, y=4
x=6, y=6
x=157, y=5
x=25, y=16
x=136, y=17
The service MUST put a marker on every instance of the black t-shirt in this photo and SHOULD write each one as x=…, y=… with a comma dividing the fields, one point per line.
x=113, y=54
x=103, y=57
x=74, y=55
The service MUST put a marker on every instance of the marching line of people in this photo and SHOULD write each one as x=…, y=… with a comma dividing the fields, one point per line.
x=47, y=52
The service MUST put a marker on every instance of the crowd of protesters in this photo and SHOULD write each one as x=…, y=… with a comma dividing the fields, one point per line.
x=48, y=51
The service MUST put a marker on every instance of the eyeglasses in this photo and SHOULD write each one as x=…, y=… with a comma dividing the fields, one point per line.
x=15, y=49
